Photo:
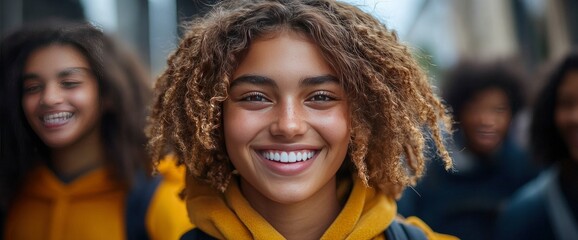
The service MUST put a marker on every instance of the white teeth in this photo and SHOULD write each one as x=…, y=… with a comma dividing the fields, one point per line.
x=288, y=157
x=57, y=118
x=292, y=157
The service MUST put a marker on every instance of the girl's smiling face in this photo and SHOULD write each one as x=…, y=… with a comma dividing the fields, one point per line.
x=485, y=120
x=286, y=121
x=60, y=96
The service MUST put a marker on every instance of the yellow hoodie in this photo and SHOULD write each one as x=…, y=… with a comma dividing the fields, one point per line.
x=365, y=215
x=92, y=207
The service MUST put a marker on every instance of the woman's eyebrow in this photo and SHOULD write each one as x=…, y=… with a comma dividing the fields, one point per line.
x=30, y=76
x=69, y=71
x=317, y=80
x=61, y=74
x=253, y=79
x=261, y=80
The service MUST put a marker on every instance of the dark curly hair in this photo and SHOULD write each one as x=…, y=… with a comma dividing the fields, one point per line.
x=391, y=98
x=469, y=78
x=122, y=82
x=546, y=143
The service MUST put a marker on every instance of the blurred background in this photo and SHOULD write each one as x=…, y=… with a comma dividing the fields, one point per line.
x=530, y=34
x=440, y=32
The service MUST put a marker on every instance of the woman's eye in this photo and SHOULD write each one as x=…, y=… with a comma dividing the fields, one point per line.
x=254, y=98
x=321, y=97
x=70, y=84
x=32, y=88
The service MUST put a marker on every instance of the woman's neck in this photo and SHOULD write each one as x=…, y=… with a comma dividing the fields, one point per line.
x=308, y=219
x=79, y=158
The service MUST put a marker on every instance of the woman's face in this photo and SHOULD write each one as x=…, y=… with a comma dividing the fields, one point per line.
x=566, y=116
x=485, y=120
x=60, y=96
x=286, y=121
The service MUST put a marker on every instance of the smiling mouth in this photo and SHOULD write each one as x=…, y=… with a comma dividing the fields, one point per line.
x=56, y=118
x=288, y=156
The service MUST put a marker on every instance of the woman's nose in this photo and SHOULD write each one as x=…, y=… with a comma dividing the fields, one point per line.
x=51, y=95
x=289, y=121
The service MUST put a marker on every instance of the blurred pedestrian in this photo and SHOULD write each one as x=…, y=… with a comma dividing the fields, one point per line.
x=488, y=164
x=74, y=164
x=547, y=207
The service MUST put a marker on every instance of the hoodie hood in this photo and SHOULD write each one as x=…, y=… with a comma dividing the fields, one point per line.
x=95, y=182
x=365, y=215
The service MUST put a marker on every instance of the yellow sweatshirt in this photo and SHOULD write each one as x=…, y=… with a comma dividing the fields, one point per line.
x=92, y=207
x=366, y=214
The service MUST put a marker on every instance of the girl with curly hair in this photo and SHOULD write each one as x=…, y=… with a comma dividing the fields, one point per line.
x=73, y=159
x=296, y=119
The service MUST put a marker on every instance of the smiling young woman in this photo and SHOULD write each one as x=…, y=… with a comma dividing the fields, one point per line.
x=73, y=162
x=295, y=130
x=294, y=119
x=61, y=98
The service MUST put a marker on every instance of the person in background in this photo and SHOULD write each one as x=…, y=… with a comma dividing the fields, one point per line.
x=74, y=163
x=295, y=119
x=547, y=207
x=488, y=165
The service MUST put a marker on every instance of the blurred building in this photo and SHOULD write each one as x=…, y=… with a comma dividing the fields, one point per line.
x=441, y=31
x=151, y=27
x=531, y=30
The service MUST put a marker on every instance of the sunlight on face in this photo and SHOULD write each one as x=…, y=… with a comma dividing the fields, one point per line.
x=286, y=121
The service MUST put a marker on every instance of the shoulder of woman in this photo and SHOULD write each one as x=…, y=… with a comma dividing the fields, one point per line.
x=430, y=234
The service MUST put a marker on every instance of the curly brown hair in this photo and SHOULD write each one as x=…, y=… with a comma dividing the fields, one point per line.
x=393, y=106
